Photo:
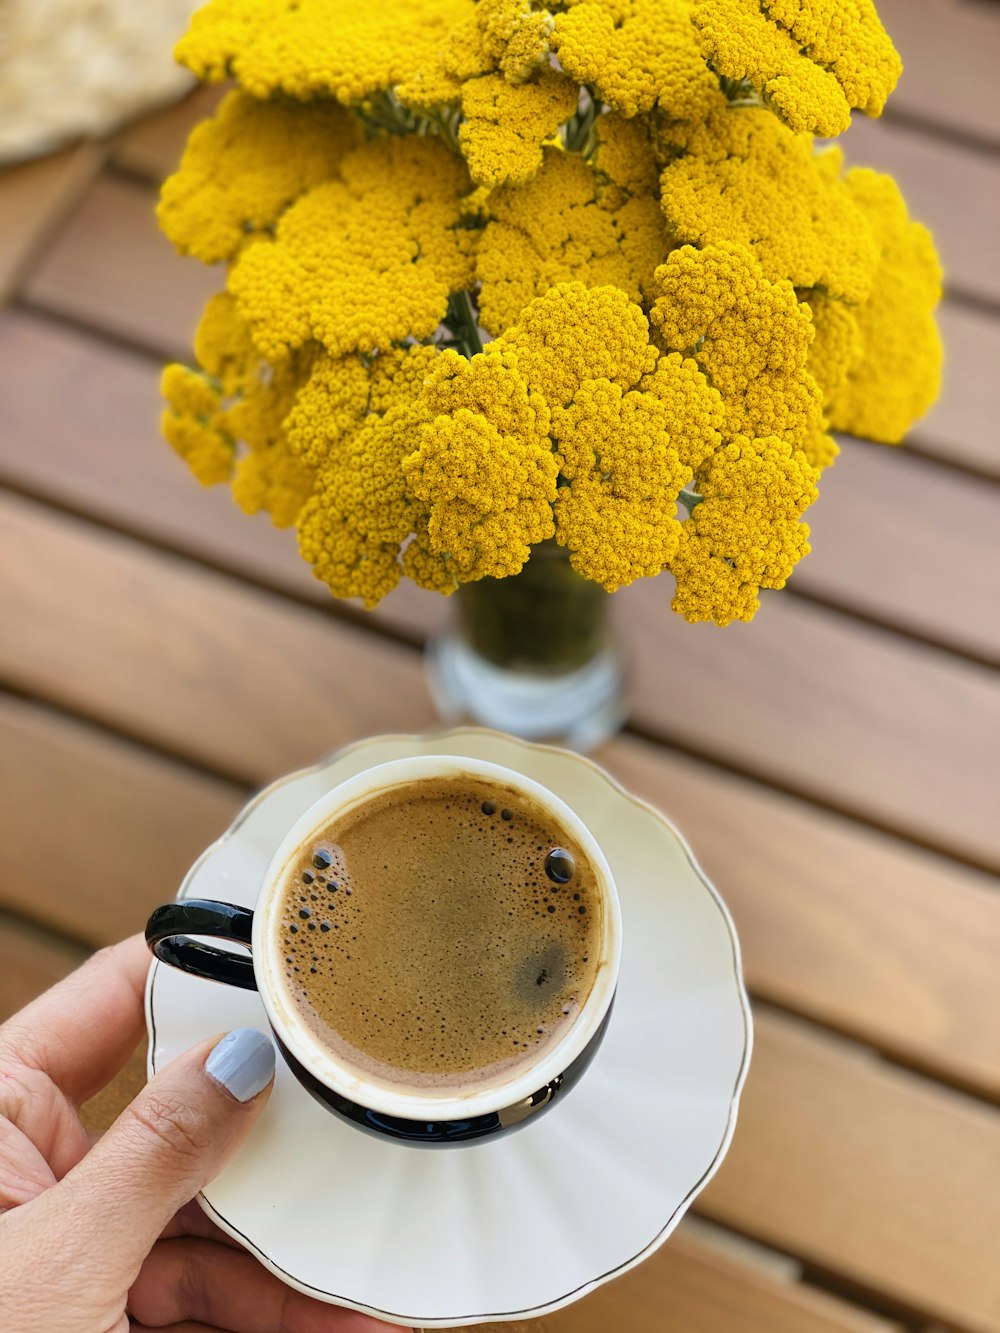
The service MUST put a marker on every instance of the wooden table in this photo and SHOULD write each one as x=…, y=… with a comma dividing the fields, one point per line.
x=834, y=765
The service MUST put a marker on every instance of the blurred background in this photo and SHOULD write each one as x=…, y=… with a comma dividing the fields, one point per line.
x=834, y=764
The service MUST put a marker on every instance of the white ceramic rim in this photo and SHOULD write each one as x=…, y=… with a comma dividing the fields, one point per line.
x=369, y=1092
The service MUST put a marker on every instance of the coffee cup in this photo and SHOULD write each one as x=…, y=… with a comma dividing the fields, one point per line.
x=464, y=1108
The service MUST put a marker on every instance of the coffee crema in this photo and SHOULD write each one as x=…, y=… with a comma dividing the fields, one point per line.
x=441, y=934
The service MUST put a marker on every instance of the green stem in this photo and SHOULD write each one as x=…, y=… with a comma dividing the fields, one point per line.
x=462, y=319
x=690, y=499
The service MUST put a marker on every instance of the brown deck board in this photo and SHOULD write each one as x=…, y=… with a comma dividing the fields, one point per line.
x=867, y=1172
x=688, y=1288
x=232, y=677
x=879, y=727
x=952, y=188
x=108, y=460
x=113, y=270
x=950, y=50
x=34, y=199
x=112, y=258
x=840, y=923
x=126, y=824
x=153, y=147
x=31, y=960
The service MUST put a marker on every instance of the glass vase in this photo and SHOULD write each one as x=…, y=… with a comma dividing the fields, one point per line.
x=534, y=654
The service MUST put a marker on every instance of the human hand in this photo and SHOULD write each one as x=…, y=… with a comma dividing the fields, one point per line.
x=103, y=1239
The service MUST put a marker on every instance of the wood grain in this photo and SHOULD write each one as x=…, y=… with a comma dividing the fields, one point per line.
x=950, y=50
x=31, y=960
x=961, y=427
x=893, y=733
x=862, y=1170
x=234, y=678
x=107, y=458
x=34, y=199
x=685, y=1287
x=113, y=270
x=97, y=832
x=902, y=542
x=111, y=267
x=955, y=190
x=839, y=923
x=153, y=147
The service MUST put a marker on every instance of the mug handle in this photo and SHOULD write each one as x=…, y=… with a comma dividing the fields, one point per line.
x=167, y=935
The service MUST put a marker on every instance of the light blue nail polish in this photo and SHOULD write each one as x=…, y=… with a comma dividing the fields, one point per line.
x=243, y=1062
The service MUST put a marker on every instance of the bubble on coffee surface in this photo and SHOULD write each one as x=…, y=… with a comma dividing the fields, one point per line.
x=447, y=945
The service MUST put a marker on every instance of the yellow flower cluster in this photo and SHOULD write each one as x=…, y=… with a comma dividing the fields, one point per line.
x=812, y=60
x=317, y=48
x=636, y=54
x=503, y=272
x=226, y=420
x=237, y=175
x=744, y=176
x=895, y=373
x=331, y=276
x=746, y=533
x=560, y=227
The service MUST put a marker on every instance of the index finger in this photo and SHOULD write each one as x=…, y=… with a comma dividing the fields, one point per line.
x=82, y=1031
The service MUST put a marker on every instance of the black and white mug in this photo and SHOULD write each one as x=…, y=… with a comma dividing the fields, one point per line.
x=453, y=1116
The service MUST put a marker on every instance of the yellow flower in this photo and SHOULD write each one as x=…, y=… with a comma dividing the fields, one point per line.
x=192, y=425
x=625, y=154
x=744, y=176
x=637, y=54
x=365, y=261
x=506, y=124
x=314, y=48
x=229, y=423
x=353, y=527
x=898, y=373
x=242, y=168
x=484, y=465
x=560, y=228
x=812, y=60
x=750, y=336
x=745, y=534
x=626, y=456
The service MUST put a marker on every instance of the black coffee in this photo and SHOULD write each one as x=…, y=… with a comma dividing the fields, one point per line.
x=441, y=934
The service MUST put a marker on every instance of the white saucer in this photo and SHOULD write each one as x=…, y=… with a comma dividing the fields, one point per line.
x=531, y=1222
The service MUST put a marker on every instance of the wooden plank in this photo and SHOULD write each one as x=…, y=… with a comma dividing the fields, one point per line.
x=106, y=458
x=840, y=923
x=153, y=146
x=862, y=1170
x=31, y=961
x=950, y=50
x=961, y=427
x=903, y=542
x=908, y=965
x=34, y=198
x=235, y=678
x=112, y=267
x=953, y=189
x=885, y=730
x=686, y=1287
x=871, y=551
x=127, y=824
x=114, y=271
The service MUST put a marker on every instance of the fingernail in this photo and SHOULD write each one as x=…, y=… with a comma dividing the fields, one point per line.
x=243, y=1062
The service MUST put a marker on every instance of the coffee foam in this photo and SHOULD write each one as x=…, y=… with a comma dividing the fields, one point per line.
x=425, y=942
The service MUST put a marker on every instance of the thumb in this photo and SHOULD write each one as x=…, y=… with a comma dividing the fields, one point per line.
x=169, y=1143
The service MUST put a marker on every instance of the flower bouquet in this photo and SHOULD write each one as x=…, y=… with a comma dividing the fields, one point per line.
x=567, y=286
